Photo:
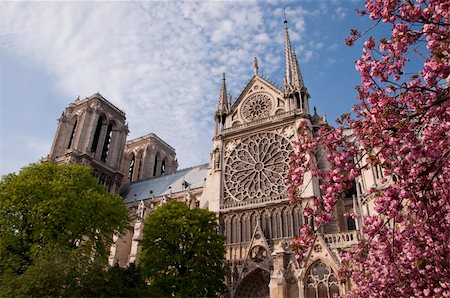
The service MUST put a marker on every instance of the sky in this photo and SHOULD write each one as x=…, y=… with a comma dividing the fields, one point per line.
x=161, y=63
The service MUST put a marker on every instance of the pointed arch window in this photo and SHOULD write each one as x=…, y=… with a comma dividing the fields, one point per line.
x=245, y=228
x=139, y=170
x=274, y=224
x=131, y=169
x=155, y=166
x=321, y=281
x=297, y=219
x=98, y=129
x=163, y=167
x=72, y=135
x=234, y=229
x=265, y=224
x=107, y=143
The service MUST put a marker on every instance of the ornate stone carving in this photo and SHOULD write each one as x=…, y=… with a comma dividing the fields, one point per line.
x=257, y=106
x=256, y=167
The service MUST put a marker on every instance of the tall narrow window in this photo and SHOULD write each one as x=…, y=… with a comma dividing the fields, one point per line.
x=106, y=143
x=163, y=167
x=139, y=169
x=131, y=169
x=155, y=167
x=98, y=129
x=274, y=225
x=74, y=129
x=297, y=99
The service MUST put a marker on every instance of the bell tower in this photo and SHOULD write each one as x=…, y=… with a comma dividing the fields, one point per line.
x=92, y=131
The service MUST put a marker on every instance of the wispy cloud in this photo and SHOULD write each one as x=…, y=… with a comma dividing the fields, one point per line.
x=161, y=62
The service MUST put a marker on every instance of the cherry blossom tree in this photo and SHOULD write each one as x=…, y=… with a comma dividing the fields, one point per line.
x=400, y=124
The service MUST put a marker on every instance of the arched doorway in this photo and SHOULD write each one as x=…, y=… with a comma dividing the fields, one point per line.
x=255, y=284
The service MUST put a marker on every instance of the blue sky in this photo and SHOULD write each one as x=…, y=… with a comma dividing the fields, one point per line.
x=161, y=62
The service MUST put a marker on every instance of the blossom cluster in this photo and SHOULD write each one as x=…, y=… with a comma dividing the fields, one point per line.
x=402, y=125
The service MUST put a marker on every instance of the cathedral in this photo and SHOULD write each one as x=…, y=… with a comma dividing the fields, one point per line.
x=243, y=183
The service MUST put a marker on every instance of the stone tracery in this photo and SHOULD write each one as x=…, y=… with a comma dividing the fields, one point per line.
x=256, y=107
x=256, y=167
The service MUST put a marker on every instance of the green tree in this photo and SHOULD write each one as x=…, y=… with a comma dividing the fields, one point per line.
x=182, y=254
x=56, y=227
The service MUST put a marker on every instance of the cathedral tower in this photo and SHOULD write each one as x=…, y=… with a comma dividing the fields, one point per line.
x=92, y=131
x=245, y=180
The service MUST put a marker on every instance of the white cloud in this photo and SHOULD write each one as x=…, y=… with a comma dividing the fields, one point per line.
x=161, y=62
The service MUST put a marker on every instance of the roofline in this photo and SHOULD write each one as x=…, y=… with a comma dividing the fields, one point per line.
x=100, y=97
x=156, y=177
x=149, y=135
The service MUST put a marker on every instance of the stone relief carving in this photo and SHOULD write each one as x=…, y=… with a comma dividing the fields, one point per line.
x=255, y=168
x=287, y=132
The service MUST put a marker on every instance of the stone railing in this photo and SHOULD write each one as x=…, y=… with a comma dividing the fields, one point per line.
x=341, y=240
x=252, y=202
x=273, y=118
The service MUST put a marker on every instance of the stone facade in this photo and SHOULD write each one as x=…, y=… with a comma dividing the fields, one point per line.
x=243, y=183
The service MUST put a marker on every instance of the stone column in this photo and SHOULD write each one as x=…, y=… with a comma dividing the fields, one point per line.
x=87, y=130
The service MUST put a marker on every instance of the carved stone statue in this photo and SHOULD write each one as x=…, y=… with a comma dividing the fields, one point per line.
x=255, y=66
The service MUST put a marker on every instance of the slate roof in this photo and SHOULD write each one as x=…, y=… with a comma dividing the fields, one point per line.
x=158, y=186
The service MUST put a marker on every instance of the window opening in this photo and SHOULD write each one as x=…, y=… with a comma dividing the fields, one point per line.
x=139, y=169
x=351, y=224
x=74, y=129
x=98, y=128
x=163, y=167
x=107, y=143
x=155, y=167
x=131, y=169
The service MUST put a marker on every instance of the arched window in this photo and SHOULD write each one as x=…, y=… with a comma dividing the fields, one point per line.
x=245, y=228
x=72, y=135
x=131, y=169
x=155, y=166
x=297, y=218
x=139, y=167
x=163, y=167
x=286, y=219
x=234, y=229
x=253, y=221
x=265, y=224
x=321, y=281
x=98, y=129
x=107, y=143
x=274, y=224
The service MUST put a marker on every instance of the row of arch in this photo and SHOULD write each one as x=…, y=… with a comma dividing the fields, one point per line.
x=276, y=223
x=135, y=167
x=320, y=282
x=102, y=136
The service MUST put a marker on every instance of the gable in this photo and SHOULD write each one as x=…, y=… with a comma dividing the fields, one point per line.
x=259, y=99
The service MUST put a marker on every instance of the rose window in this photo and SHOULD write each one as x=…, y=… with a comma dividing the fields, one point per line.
x=256, y=107
x=255, y=169
x=258, y=254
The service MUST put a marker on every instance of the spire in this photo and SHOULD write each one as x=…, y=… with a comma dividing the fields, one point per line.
x=223, y=98
x=293, y=77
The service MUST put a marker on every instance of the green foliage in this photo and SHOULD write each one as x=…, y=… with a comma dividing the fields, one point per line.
x=56, y=227
x=182, y=254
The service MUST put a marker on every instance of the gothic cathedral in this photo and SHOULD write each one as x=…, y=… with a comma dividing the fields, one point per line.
x=243, y=182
